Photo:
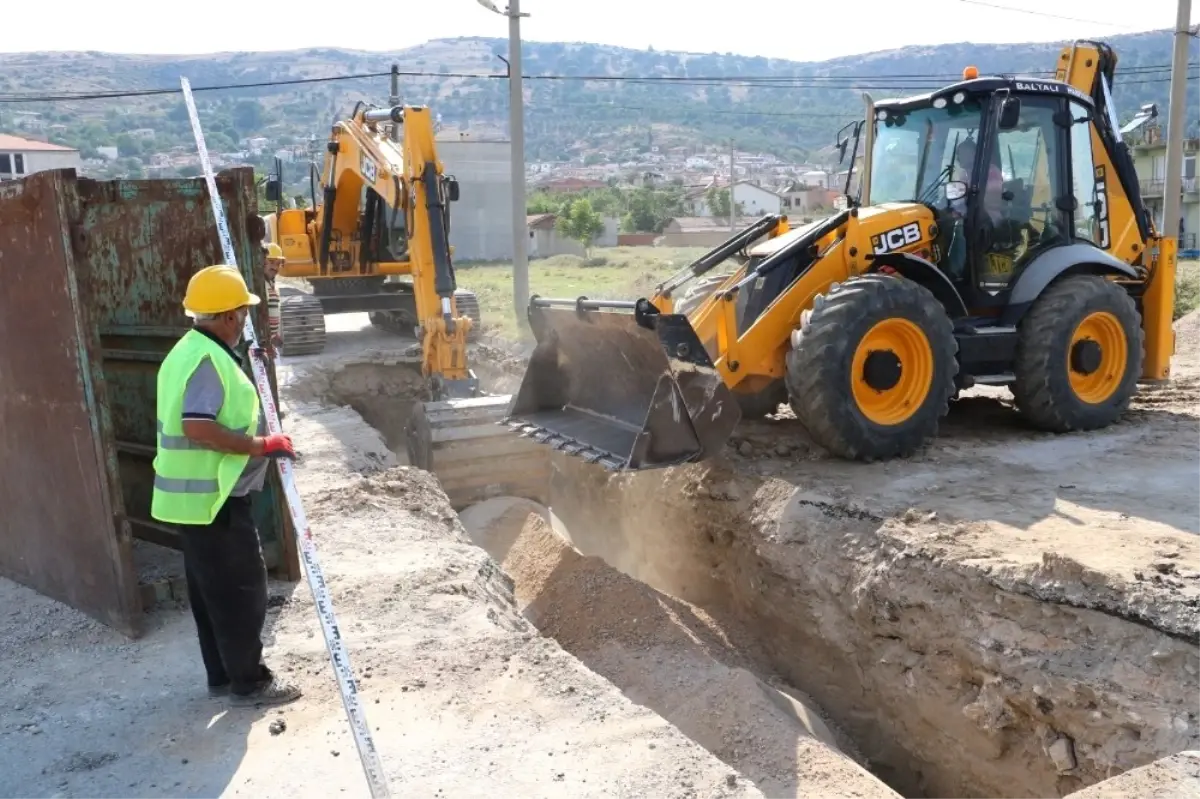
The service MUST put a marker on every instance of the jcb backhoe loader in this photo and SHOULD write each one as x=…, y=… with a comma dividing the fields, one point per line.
x=352, y=245
x=999, y=239
x=385, y=211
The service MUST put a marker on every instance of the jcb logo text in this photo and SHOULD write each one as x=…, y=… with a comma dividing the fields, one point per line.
x=896, y=238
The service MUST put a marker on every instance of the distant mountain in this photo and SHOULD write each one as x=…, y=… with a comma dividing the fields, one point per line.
x=603, y=118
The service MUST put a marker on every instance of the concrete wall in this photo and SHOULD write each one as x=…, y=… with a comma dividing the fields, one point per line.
x=547, y=242
x=42, y=160
x=481, y=220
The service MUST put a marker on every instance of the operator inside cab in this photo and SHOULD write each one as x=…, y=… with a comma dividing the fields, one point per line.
x=993, y=193
x=993, y=190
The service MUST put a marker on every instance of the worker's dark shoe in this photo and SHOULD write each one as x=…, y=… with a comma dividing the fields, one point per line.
x=274, y=692
x=220, y=689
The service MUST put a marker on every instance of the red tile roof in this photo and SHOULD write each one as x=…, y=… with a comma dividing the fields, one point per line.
x=27, y=145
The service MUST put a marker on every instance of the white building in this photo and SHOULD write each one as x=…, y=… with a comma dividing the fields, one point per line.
x=20, y=157
x=754, y=200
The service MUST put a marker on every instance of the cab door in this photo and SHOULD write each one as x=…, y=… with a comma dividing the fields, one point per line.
x=1020, y=184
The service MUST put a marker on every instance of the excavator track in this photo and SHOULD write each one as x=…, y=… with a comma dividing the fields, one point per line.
x=302, y=323
x=473, y=456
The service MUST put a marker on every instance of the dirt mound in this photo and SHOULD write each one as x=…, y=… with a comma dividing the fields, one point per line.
x=668, y=655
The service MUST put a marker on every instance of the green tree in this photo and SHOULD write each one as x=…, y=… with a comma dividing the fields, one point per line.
x=247, y=116
x=128, y=146
x=581, y=223
x=718, y=202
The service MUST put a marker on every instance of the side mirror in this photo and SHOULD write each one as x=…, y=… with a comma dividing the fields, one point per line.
x=1010, y=113
x=955, y=190
x=274, y=190
x=452, y=190
x=841, y=146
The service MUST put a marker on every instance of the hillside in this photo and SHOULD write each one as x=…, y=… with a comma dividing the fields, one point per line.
x=565, y=118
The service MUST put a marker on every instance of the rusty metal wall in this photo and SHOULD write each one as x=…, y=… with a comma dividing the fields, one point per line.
x=60, y=507
x=138, y=243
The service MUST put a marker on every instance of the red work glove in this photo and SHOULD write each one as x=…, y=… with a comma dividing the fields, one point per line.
x=276, y=445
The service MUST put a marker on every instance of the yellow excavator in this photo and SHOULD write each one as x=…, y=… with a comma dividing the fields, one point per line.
x=384, y=213
x=998, y=238
x=352, y=245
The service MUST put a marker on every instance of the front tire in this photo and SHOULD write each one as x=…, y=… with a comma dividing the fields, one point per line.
x=1079, y=354
x=873, y=371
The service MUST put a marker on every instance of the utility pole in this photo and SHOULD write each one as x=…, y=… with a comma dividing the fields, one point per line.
x=394, y=99
x=732, y=179
x=516, y=130
x=1178, y=113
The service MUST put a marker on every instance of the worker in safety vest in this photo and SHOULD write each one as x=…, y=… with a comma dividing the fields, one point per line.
x=213, y=453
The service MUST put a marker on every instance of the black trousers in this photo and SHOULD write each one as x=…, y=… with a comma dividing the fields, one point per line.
x=227, y=589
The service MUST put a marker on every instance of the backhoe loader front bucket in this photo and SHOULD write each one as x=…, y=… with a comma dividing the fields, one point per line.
x=619, y=384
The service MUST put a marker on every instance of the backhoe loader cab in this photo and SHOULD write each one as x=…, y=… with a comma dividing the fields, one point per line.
x=998, y=238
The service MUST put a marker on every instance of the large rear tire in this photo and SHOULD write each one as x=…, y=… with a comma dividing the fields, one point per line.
x=873, y=371
x=1079, y=354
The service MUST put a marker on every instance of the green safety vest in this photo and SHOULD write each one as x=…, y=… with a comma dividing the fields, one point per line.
x=191, y=482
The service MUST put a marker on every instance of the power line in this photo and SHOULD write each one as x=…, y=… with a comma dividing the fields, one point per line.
x=928, y=81
x=1046, y=14
x=554, y=107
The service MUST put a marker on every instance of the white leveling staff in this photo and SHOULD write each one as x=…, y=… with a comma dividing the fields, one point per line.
x=338, y=655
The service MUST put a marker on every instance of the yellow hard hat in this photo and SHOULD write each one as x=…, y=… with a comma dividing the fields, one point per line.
x=217, y=289
x=274, y=250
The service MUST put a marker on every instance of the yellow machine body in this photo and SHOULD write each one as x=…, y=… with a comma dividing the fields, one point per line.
x=999, y=239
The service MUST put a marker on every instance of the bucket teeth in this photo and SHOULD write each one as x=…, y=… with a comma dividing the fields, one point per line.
x=565, y=444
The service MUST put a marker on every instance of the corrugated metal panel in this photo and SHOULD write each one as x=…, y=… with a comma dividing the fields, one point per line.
x=139, y=244
x=59, y=505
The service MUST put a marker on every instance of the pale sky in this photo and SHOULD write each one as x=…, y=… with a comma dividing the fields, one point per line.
x=805, y=30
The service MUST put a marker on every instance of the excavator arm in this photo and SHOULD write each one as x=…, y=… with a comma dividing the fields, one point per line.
x=407, y=196
x=1127, y=229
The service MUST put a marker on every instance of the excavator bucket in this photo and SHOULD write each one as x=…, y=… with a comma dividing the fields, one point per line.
x=626, y=390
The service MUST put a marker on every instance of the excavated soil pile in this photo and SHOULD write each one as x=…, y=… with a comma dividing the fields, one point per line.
x=689, y=667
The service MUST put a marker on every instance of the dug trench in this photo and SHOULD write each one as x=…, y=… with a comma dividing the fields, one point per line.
x=821, y=644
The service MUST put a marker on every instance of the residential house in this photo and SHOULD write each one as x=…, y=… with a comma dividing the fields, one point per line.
x=1150, y=163
x=754, y=200
x=801, y=198
x=570, y=185
x=700, y=231
x=20, y=157
x=545, y=239
x=815, y=177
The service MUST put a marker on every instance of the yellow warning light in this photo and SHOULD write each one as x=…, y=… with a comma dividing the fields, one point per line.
x=970, y=73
